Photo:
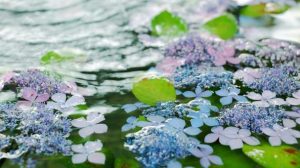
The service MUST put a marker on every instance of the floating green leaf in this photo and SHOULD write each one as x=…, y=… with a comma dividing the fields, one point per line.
x=168, y=24
x=51, y=57
x=151, y=90
x=224, y=26
x=273, y=157
x=262, y=9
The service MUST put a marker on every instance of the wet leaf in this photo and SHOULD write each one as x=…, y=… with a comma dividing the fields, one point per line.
x=224, y=26
x=51, y=57
x=273, y=157
x=259, y=10
x=151, y=90
x=168, y=24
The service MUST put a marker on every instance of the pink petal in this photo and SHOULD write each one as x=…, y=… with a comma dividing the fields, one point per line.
x=219, y=61
x=169, y=65
x=8, y=76
x=42, y=98
x=228, y=51
x=233, y=60
x=29, y=94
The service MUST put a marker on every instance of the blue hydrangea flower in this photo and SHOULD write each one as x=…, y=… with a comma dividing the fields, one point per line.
x=165, y=109
x=199, y=93
x=158, y=145
x=279, y=80
x=200, y=118
x=39, y=81
x=251, y=117
x=229, y=94
x=203, y=105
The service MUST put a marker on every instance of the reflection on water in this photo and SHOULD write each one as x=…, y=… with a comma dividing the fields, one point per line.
x=107, y=31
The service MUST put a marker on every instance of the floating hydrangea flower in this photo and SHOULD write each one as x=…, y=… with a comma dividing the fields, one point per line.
x=38, y=81
x=206, y=157
x=199, y=93
x=229, y=94
x=283, y=133
x=248, y=75
x=203, y=105
x=31, y=96
x=295, y=100
x=61, y=103
x=158, y=145
x=222, y=54
x=193, y=76
x=251, y=117
x=131, y=124
x=152, y=121
x=231, y=136
x=180, y=125
x=266, y=99
x=192, y=49
x=132, y=107
x=200, y=118
x=90, y=152
x=295, y=115
x=90, y=125
x=279, y=80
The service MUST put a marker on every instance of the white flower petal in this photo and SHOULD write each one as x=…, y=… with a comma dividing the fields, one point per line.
x=261, y=103
x=295, y=133
x=79, y=158
x=288, y=138
x=96, y=158
x=74, y=101
x=59, y=97
x=78, y=148
x=293, y=114
x=79, y=123
x=297, y=94
x=211, y=138
x=269, y=131
x=196, y=152
x=251, y=141
x=268, y=94
x=254, y=96
x=277, y=101
x=244, y=132
x=204, y=162
x=235, y=144
x=289, y=123
x=275, y=141
x=85, y=132
x=293, y=101
x=224, y=140
x=215, y=160
x=100, y=128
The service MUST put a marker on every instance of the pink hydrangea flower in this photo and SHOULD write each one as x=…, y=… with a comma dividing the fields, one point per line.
x=168, y=65
x=223, y=54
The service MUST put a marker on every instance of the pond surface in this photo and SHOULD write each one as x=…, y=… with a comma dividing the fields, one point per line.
x=108, y=32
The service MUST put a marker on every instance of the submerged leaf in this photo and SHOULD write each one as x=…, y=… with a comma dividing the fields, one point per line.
x=224, y=26
x=168, y=24
x=273, y=157
x=153, y=90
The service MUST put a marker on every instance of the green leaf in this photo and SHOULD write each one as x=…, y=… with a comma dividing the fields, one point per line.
x=273, y=157
x=262, y=9
x=51, y=57
x=224, y=26
x=126, y=163
x=151, y=90
x=168, y=24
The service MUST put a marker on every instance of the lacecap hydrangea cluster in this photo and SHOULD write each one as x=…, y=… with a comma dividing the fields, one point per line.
x=37, y=122
x=244, y=90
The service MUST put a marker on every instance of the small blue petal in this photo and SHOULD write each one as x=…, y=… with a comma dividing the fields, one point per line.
x=226, y=100
x=196, y=122
x=210, y=121
x=189, y=94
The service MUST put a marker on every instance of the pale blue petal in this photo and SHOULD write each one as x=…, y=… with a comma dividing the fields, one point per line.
x=176, y=123
x=157, y=119
x=193, y=114
x=242, y=99
x=222, y=92
x=127, y=127
x=196, y=122
x=192, y=131
x=129, y=108
x=178, y=92
x=204, y=108
x=131, y=119
x=198, y=91
x=205, y=94
x=189, y=94
x=226, y=100
x=234, y=90
x=214, y=108
x=210, y=121
x=143, y=124
x=174, y=164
